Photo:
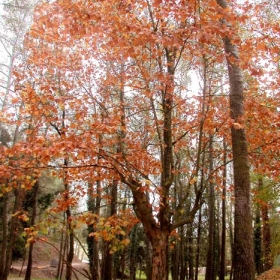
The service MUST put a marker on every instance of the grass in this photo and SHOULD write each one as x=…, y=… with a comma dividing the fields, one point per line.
x=143, y=277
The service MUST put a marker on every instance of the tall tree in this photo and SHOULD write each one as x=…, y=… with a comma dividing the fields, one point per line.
x=243, y=256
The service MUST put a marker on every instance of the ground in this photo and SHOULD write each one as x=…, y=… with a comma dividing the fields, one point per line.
x=43, y=253
x=273, y=274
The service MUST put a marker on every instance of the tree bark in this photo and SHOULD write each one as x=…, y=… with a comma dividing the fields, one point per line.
x=19, y=194
x=94, y=207
x=4, y=202
x=107, y=264
x=190, y=251
x=198, y=244
x=258, y=242
x=61, y=254
x=210, y=271
x=148, y=259
x=159, y=242
x=266, y=236
x=243, y=254
x=32, y=222
x=223, y=237
x=70, y=253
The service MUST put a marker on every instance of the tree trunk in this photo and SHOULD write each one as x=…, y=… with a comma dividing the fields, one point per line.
x=210, y=271
x=175, y=260
x=243, y=257
x=4, y=202
x=94, y=207
x=243, y=254
x=267, y=258
x=70, y=247
x=61, y=253
x=12, y=232
x=159, y=242
x=148, y=259
x=70, y=253
x=107, y=264
x=133, y=252
x=198, y=244
x=32, y=222
x=223, y=237
x=190, y=258
x=268, y=262
x=258, y=241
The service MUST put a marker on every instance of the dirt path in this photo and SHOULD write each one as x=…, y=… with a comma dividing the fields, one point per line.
x=44, y=271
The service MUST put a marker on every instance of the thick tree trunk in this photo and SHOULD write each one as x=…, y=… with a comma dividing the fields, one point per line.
x=148, y=259
x=159, y=240
x=243, y=257
x=243, y=254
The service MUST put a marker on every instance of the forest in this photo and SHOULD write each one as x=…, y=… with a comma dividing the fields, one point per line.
x=145, y=132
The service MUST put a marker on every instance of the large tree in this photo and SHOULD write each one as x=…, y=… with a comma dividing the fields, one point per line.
x=111, y=77
x=243, y=256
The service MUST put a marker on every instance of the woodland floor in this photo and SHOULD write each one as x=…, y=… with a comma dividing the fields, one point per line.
x=44, y=253
x=273, y=274
x=42, y=256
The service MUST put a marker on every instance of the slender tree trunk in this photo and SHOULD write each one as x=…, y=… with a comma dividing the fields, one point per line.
x=175, y=260
x=258, y=241
x=94, y=207
x=61, y=255
x=268, y=261
x=64, y=252
x=12, y=232
x=4, y=201
x=70, y=239
x=190, y=251
x=243, y=254
x=231, y=239
x=182, y=259
x=70, y=252
x=32, y=222
x=223, y=237
x=198, y=245
x=210, y=267
x=148, y=259
x=107, y=265
x=133, y=251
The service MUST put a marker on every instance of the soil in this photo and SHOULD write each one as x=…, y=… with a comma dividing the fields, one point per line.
x=44, y=253
x=43, y=256
x=272, y=274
